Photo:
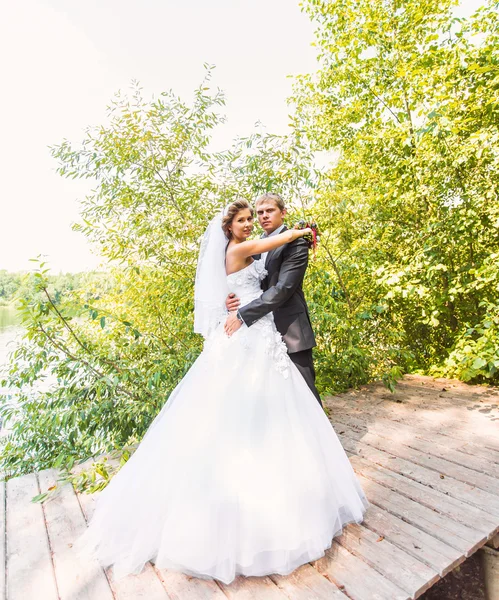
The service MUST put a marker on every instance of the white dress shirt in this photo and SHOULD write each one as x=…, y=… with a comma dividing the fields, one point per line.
x=275, y=232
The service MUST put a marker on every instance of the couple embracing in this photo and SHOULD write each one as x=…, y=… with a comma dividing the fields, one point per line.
x=241, y=471
x=283, y=292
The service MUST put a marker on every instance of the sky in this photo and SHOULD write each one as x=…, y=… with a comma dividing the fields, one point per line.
x=67, y=59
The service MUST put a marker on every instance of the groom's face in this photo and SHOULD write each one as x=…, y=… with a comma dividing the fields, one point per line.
x=269, y=215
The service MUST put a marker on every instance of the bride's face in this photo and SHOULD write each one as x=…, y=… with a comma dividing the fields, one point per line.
x=242, y=225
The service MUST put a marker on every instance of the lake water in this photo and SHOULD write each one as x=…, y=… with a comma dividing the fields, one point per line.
x=8, y=317
x=10, y=332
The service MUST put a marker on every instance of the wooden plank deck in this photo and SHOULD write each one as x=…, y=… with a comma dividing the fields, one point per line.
x=427, y=457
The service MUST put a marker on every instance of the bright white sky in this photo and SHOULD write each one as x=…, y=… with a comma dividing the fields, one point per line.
x=63, y=61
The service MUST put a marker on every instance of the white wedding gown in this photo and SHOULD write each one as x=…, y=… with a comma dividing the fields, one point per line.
x=240, y=472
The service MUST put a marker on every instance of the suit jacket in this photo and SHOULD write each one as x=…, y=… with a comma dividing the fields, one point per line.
x=283, y=295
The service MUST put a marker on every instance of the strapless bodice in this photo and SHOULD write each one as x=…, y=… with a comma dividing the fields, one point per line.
x=245, y=283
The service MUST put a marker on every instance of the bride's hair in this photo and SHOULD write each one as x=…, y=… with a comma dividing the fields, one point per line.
x=231, y=212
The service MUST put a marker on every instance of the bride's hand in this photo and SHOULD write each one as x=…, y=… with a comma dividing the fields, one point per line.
x=303, y=232
x=232, y=323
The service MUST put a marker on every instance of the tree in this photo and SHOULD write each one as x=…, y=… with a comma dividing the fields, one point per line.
x=112, y=349
x=406, y=95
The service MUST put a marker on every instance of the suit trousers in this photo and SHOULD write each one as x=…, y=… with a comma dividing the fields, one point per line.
x=305, y=364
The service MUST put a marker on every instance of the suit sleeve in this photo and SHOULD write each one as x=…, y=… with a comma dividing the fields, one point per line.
x=291, y=274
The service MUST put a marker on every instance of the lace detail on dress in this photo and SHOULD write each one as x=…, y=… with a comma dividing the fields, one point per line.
x=274, y=344
x=245, y=278
x=260, y=268
x=246, y=285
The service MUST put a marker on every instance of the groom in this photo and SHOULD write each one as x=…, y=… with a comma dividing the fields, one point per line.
x=283, y=293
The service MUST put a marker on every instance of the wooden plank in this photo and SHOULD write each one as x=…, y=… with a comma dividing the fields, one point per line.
x=355, y=577
x=441, y=465
x=181, y=586
x=444, y=392
x=430, y=385
x=2, y=540
x=76, y=579
x=434, y=420
x=408, y=436
x=429, y=380
x=252, y=588
x=405, y=571
x=438, y=415
x=414, y=541
x=453, y=429
x=306, y=583
x=447, y=485
x=434, y=499
x=465, y=447
x=449, y=398
x=447, y=392
x=30, y=571
x=146, y=585
x=450, y=532
x=457, y=425
x=424, y=383
x=424, y=433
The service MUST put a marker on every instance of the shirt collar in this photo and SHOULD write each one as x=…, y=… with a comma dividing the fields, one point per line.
x=276, y=231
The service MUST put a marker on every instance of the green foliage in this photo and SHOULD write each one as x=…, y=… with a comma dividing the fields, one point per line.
x=14, y=286
x=98, y=361
x=9, y=284
x=406, y=98
x=476, y=353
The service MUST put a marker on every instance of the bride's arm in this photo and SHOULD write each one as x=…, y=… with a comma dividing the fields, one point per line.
x=251, y=247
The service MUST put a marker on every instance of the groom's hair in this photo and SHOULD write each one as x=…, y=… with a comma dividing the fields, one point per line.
x=272, y=196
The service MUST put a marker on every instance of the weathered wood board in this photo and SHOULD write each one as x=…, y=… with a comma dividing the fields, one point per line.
x=427, y=457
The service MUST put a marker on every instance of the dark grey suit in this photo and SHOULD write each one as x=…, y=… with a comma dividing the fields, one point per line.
x=283, y=295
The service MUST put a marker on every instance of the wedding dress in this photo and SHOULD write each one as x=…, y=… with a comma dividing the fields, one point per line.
x=240, y=472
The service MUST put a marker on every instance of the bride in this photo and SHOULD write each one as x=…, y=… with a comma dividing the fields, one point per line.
x=241, y=471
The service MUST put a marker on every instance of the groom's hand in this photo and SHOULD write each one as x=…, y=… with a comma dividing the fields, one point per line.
x=232, y=324
x=232, y=302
